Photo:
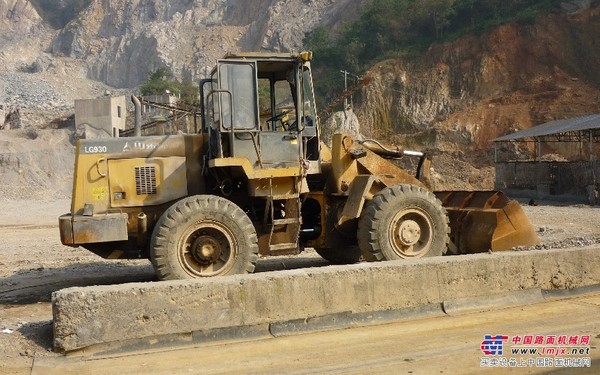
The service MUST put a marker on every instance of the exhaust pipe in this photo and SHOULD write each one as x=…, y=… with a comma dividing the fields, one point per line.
x=137, y=132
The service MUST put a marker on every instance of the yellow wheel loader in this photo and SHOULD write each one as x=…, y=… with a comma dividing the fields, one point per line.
x=255, y=179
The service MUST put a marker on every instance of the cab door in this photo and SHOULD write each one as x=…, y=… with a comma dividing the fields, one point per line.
x=237, y=114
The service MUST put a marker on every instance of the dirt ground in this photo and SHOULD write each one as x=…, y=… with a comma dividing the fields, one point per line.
x=33, y=264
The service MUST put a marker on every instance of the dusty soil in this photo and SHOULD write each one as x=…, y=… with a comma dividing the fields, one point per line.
x=33, y=264
x=36, y=164
x=35, y=181
x=426, y=345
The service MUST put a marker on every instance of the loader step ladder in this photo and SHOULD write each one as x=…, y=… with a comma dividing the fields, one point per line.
x=284, y=218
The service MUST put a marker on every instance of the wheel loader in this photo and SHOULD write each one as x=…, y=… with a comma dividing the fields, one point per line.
x=255, y=179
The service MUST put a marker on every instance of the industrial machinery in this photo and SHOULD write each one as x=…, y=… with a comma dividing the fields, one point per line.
x=256, y=179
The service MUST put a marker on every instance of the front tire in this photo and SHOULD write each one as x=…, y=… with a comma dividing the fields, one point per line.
x=203, y=236
x=403, y=222
x=340, y=242
x=342, y=249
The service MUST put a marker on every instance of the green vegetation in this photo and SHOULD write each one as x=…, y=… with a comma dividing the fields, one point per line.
x=59, y=13
x=158, y=82
x=161, y=80
x=389, y=28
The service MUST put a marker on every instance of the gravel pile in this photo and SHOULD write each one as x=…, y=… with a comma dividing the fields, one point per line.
x=26, y=90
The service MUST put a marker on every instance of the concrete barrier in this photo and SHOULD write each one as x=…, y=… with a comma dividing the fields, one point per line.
x=111, y=318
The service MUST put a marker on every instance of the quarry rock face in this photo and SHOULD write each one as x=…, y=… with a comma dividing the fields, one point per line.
x=22, y=33
x=18, y=16
x=456, y=97
x=480, y=87
x=122, y=41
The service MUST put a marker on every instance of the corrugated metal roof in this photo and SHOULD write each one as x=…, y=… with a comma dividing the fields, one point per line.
x=555, y=127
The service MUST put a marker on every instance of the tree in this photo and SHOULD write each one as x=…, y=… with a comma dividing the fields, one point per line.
x=433, y=17
x=158, y=82
x=189, y=93
x=161, y=80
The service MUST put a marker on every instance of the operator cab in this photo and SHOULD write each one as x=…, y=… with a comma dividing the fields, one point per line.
x=261, y=107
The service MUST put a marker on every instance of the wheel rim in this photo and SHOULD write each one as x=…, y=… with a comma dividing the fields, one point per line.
x=207, y=248
x=411, y=233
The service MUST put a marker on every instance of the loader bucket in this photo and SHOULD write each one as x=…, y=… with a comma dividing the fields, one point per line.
x=486, y=220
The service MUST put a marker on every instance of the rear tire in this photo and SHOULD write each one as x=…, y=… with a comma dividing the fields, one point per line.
x=403, y=222
x=203, y=236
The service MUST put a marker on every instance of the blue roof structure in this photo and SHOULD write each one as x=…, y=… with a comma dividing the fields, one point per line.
x=555, y=127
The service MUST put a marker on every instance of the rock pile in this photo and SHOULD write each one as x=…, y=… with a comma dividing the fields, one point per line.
x=29, y=91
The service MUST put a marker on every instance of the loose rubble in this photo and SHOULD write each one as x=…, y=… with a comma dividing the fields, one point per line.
x=28, y=90
x=564, y=244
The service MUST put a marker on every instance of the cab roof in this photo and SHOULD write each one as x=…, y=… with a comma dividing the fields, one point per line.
x=269, y=56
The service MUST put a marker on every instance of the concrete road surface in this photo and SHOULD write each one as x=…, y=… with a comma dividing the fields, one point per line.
x=434, y=345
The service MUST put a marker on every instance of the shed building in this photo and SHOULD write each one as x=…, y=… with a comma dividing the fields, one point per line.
x=553, y=160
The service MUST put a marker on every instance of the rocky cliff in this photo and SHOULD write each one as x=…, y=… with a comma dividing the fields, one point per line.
x=460, y=95
x=18, y=16
x=45, y=66
x=121, y=41
x=21, y=29
x=456, y=97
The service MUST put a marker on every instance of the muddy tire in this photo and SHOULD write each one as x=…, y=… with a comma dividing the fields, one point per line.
x=337, y=255
x=203, y=236
x=340, y=250
x=341, y=245
x=403, y=222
